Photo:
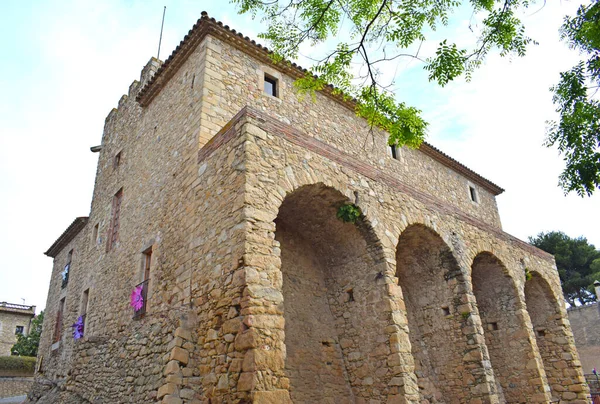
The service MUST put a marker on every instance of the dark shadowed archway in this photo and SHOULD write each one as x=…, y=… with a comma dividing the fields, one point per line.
x=434, y=289
x=506, y=338
x=333, y=292
x=551, y=335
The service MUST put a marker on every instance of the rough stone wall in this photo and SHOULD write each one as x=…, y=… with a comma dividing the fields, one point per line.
x=234, y=79
x=9, y=320
x=585, y=322
x=15, y=386
x=512, y=352
x=158, y=172
x=302, y=161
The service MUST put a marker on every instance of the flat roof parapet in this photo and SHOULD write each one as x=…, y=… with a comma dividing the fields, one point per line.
x=17, y=308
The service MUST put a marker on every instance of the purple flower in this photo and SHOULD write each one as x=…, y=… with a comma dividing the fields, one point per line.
x=137, y=299
x=78, y=328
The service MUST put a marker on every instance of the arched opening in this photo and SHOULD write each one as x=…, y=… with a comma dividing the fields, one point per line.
x=550, y=334
x=336, y=345
x=503, y=324
x=434, y=295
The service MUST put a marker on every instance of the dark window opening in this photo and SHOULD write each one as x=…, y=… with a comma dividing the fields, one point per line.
x=113, y=232
x=142, y=288
x=394, y=151
x=20, y=330
x=541, y=333
x=473, y=193
x=95, y=233
x=59, y=321
x=117, y=160
x=493, y=326
x=65, y=272
x=84, y=308
x=270, y=85
x=446, y=311
x=350, y=293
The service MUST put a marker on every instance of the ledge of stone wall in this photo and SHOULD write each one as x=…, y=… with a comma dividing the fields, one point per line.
x=15, y=386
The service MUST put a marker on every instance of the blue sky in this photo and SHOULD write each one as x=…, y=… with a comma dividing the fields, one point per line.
x=65, y=65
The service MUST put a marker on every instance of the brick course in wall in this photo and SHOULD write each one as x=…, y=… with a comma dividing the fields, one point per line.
x=256, y=291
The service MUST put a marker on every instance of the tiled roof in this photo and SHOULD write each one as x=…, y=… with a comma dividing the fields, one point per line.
x=206, y=25
x=68, y=235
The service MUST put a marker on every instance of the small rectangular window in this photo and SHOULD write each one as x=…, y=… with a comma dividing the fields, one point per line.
x=20, y=329
x=113, y=233
x=270, y=85
x=394, y=151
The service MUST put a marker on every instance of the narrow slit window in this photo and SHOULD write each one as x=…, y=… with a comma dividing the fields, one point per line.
x=117, y=160
x=473, y=194
x=95, y=233
x=271, y=85
x=394, y=151
x=65, y=273
x=113, y=233
x=59, y=321
x=84, y=308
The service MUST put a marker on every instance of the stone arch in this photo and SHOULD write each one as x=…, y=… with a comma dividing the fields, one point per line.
x=438, y=312
x=334, y=294
x=506, y=337
x=553, y=340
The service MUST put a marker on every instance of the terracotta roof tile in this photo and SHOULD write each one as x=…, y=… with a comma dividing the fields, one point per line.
x=68, y=235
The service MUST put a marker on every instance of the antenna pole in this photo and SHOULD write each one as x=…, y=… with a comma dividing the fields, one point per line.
x=161, y=31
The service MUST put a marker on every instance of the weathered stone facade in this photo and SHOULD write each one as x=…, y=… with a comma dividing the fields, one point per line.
x=15, y=386
x=257, y=292
x=585, y=321
x=14, y=319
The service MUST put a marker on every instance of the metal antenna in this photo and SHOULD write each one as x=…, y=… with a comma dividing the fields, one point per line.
x=161, y=31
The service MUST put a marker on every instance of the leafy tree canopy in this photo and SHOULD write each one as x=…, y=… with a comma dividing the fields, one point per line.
x=27, y=345
x=577, y=133
x=369, y=33
x=578, y=264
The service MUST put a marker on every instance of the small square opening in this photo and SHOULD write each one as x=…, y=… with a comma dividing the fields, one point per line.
x=493, y=326
x=271, y=85
x=541, y=333
x=446, y=311
x=350, y=293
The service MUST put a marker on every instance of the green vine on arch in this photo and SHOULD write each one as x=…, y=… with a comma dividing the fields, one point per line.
x=349, y=213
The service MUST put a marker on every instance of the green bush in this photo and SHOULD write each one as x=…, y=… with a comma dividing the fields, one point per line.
x=17, y=365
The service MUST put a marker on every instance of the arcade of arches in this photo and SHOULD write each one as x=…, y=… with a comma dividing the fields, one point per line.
x=465, y=338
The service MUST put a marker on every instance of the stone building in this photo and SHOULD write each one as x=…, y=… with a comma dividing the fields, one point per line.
x=585, y=321
x=215, y=207
x=15, y=319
